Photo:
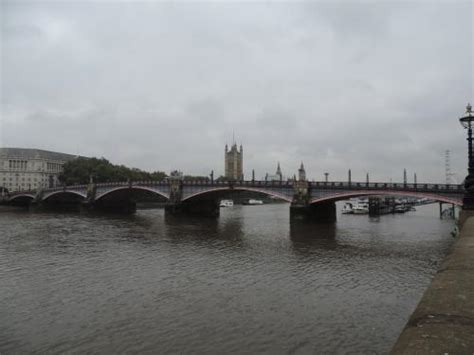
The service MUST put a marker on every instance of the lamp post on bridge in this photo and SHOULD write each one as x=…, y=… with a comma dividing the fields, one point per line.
x=466, y=122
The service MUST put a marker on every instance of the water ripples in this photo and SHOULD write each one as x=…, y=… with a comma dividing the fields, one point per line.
x=249, y=282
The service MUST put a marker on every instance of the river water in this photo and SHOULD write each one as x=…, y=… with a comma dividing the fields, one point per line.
x=249, y=282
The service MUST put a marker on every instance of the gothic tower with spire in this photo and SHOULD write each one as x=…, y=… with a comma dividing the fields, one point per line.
x=301, y=173
x=278, y=172
x=234, y=162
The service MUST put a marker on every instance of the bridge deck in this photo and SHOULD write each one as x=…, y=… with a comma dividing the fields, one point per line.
x=318, y=190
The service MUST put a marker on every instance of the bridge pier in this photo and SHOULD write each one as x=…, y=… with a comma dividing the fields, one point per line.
x=320, y=212
x=450, y=212
x=204, y=206
x=301, y=208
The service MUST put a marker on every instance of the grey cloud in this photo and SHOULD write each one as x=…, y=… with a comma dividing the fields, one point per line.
x=372, y=86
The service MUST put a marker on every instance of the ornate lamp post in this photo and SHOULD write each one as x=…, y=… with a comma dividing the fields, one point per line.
x=467, y=122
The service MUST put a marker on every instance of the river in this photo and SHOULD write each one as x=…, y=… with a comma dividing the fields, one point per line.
x=249, y=282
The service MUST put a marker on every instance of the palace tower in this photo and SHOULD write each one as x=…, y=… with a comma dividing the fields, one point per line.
x=234, y=162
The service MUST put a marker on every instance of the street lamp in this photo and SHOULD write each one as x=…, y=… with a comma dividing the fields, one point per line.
x=467, y=122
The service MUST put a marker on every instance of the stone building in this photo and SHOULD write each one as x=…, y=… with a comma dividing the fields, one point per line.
x=234, y=162
x=29, y=169
x=278, y=176
x=301, y=173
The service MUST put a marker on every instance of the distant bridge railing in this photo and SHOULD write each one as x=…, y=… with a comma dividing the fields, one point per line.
x=386, y=186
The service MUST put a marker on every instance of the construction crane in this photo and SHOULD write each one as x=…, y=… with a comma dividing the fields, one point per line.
x=447, y=167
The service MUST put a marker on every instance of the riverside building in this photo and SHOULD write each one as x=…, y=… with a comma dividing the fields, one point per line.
x=30, y=169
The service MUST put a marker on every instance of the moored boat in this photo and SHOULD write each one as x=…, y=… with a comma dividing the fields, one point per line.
x=400, y=209
x=252, y=201
x=361, y=207
x=347, y=208
x=227, y=203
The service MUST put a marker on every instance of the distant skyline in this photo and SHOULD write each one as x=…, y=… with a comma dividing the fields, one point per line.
x=374, y=86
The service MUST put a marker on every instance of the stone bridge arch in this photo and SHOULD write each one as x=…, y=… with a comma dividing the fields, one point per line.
x=101, y=194
x=62, y=193
x=24, y=198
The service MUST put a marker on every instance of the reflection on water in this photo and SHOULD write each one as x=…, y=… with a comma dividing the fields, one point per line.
x=250, y=281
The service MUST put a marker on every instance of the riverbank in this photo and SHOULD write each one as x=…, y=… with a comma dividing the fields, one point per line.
x=443, y=321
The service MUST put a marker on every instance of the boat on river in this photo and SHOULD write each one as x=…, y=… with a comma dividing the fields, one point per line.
x=347, y=208
x=252, y=201
x=226, y=203
x=361, y=207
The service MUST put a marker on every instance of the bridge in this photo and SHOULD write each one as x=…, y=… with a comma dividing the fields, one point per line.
x=307, y=199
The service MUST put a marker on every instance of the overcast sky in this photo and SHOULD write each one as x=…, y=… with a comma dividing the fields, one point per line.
x=374, y=86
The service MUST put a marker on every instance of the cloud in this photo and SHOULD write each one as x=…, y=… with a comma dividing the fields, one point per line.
x=372, y=86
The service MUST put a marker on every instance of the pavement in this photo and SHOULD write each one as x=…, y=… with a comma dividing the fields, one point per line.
x=443, y=322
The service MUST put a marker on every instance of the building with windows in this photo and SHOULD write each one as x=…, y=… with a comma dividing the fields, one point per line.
x=234, y=162
x=278, y=176
x=30, y=169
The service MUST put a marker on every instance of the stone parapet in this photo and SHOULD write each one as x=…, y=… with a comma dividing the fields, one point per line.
x=443, y=322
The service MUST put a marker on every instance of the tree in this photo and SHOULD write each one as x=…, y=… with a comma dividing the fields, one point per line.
x=79, y=171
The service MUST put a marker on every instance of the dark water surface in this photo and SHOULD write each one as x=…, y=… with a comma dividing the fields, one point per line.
x=246, y=283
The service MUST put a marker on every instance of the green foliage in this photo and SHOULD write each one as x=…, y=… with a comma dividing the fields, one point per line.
x=78, y=171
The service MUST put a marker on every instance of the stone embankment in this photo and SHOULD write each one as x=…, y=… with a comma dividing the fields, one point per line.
x=443, y=322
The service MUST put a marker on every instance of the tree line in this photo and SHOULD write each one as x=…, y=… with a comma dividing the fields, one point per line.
x=79, y=171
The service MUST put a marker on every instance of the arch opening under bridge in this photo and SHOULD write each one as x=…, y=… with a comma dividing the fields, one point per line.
x=126, y=189
x=22, y=199
x=366, y=193
x=224, y=190
x=64, y=195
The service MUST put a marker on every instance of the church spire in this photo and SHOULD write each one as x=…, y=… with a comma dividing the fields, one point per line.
x=278, y=172
x=234, y=162
x=301, y=173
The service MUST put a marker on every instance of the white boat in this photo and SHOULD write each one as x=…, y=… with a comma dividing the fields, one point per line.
x=399, y=209
x=360, y=207
x=253, y=202
x=347, y=208
x=227, y=203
